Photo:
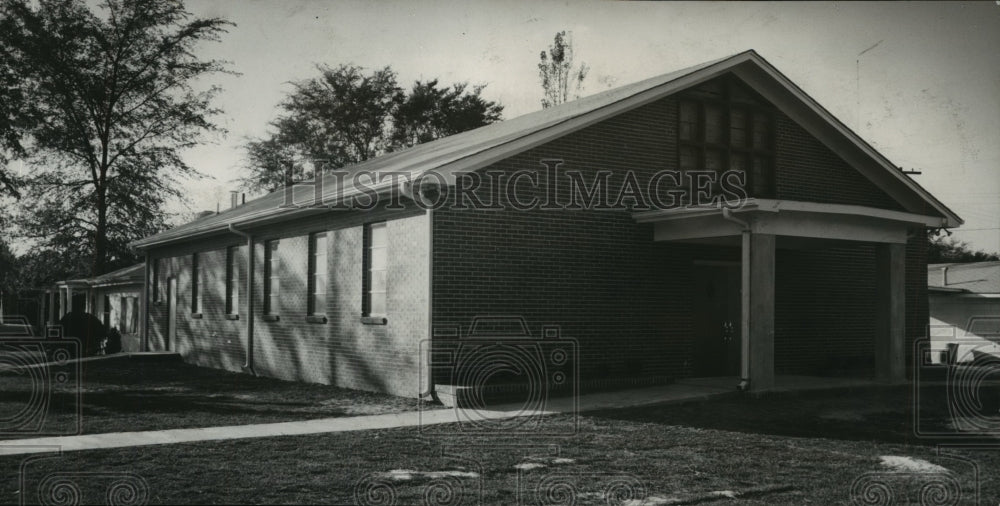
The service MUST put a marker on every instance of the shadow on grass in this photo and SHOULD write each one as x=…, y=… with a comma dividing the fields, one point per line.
x=883, y=414
x=134, y=395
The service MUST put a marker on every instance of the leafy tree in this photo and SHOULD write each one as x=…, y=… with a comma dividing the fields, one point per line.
x=8, y=269
x=111, y=97
x=946, y=249
x=557, y=73
x=12, y=120
x=430, y=112
x=346, y=116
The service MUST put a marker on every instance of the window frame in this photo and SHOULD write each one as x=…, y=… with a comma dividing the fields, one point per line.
x=156, y=280
x=133, y=321
x=196, y=285
x=752, y=108
x=270, y=247
x=232, y=280
x=122, y=305
x=315, y=307
x=106, y=310
x=368, y=268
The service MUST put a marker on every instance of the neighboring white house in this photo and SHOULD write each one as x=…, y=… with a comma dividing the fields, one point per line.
x=114, y=298
x=964, y=303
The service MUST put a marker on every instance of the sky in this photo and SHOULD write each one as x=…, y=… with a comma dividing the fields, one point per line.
x=919, y=81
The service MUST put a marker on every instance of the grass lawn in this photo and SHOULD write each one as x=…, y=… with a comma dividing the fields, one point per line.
x=801, y=449
x=132, y=395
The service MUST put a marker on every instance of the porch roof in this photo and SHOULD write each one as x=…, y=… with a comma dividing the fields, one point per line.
x=786, y=218
x=131, y=275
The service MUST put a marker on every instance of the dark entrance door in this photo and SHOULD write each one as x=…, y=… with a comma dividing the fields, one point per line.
x=716, y=320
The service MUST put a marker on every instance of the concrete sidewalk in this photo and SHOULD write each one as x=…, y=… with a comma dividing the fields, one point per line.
x=606, y=400
x=136, y=355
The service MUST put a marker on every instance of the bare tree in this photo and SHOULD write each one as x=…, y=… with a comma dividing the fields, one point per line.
x=556, y=71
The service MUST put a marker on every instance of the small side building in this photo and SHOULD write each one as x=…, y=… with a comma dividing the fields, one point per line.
x=115, y=298
x=964, y=306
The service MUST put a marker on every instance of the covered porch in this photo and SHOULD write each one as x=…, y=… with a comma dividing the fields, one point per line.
x=758, y=229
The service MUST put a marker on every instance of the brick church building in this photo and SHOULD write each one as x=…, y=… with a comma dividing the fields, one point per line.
x=597, y=227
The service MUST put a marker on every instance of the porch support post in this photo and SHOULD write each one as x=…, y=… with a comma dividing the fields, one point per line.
x=69, y=300
x=890, y=327
x=759, y=261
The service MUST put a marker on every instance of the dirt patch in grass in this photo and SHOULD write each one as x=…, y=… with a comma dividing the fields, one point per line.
x=134, y=395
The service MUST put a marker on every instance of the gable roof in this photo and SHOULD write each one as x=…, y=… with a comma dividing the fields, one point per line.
x=480, y=147
x=975, y=277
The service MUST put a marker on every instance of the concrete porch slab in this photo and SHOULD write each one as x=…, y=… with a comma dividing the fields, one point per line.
x=659, y=394
x=786, y=383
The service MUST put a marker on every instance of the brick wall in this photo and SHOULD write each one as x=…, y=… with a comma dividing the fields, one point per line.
x=807, y=170
x=597, y=274
x=343, y=351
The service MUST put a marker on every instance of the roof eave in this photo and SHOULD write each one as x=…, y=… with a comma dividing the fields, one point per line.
x=269, y=217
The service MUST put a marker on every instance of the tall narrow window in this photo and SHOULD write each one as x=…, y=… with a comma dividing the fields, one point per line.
x=133, y=319
x=156, y=280
x=107, y=311
x=738, y=128
x=723, y=126
x=232, y=280
x=689, y=121
x=123, y=314
x=375, y=270
x=195, y=284
x=272, y=280
x=317, y=273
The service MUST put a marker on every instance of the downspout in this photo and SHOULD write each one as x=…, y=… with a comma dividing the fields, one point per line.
x=248, y=366
x=744, y=383
x=427, y=389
